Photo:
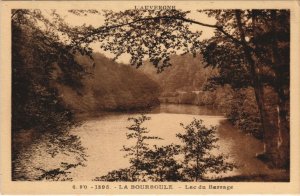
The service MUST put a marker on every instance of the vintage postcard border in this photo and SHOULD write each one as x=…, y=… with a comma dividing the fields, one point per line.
x=13, y=187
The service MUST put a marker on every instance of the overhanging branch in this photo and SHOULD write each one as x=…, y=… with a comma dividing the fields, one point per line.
x=219, y=28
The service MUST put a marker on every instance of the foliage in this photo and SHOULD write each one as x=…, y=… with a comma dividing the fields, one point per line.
x=40, y=60
x=132, y=32
x=137, y=152
x=120, y=175
x=256, y=54
x=198, y=142
x=110, y=88
x=186, y=73
x=36, y=53
x=158, y=165
x=161, y=163
x=243, y=113
x=251, y=49
x=65, y=143
x=227, y=53
x=58, y=174
x=246, y=48
x=193, y=84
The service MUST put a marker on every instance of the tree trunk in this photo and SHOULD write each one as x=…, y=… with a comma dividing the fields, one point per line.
x=283, y=140
x=269, y=130
x=283, y=134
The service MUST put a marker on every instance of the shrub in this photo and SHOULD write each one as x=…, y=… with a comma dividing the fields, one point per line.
x=198, y=142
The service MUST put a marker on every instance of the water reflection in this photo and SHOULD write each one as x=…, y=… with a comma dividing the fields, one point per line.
x=47, y=156
x=186, y=109
x=63, y=156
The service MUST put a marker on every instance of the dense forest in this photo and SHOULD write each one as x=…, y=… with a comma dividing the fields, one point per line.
x=186, y=74
x=109, y=88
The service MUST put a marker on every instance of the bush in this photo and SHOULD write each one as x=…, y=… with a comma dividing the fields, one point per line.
x=243, y=113
x=162, y=164
x=198, y=142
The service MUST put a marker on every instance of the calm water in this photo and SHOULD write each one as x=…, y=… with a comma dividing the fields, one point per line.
x=104, y=136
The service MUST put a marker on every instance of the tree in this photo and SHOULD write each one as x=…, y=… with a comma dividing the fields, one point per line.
x=162, y=163
x=198, y=142
x=40, y=60
x=158, y=164
x=257, y=31
x=246, y=45
x=155, y=164
x=133, y=32
x=136, y=153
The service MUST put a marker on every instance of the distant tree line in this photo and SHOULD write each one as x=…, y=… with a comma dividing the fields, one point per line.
x=188, y=81
x=109, y=88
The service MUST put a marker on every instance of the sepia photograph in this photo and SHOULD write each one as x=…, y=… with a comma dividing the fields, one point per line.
x=150, y=93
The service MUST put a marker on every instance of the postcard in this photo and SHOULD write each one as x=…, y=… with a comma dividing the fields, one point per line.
x=150, y=97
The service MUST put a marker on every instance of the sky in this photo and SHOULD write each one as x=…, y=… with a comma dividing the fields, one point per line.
x=96, y=20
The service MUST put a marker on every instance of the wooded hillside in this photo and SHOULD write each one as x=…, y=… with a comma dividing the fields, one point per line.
x=111, y=86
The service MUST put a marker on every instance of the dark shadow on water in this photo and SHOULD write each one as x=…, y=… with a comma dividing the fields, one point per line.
x=34, y=153
x=186, y=109
x=161, y=108
x=244, y=148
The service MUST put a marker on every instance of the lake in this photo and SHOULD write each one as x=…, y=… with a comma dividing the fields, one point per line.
x=104, y=137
